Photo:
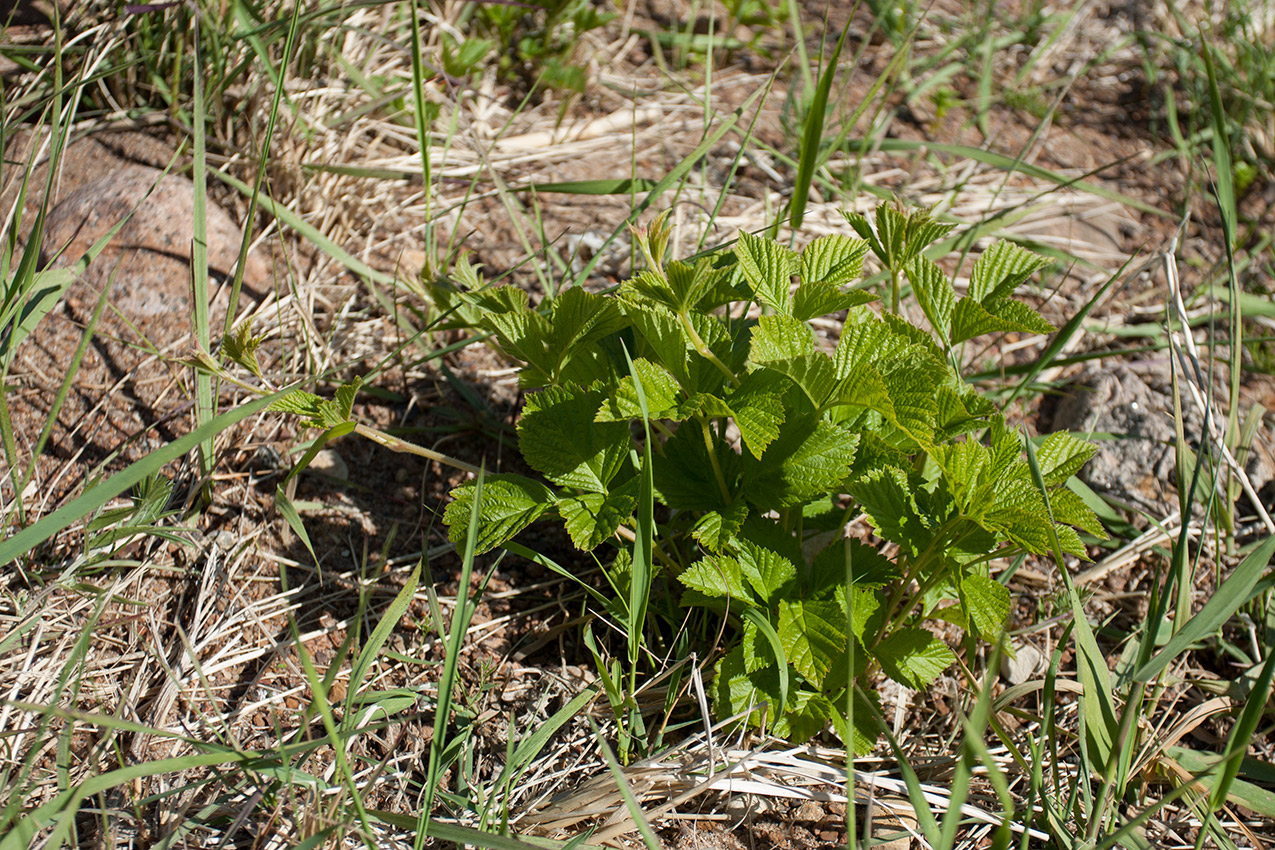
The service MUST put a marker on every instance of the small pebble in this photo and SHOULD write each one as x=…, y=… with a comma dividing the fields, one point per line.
x=328, y=462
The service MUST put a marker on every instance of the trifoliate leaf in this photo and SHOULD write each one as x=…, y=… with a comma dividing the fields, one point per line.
x=985, y=602
x=806, y=461
x=834, y=260
x=591, y=518
x=1061, y=455
x=768, y=572
x=814, y=636
x=934, y=293
x=560, y=439
x=320, y=413
x=510, y=503
x=1001, y=269
x=658, y=385
x=768, y=268
x=718, y=576
x=913, y=657
x=715, y=528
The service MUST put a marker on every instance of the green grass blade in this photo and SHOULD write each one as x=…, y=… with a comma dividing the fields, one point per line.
x=675, y=174
x=1100, y=714
x=618, y=186
x=626, y=793
x=1236, y=590
x=97, y=496
x=643, y=541
x=309, y=232
x=447, y=681
x=199, y=260
x=812, y=137
x=277, y=79
x=384, y=628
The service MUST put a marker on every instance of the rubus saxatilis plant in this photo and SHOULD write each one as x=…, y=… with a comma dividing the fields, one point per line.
x=766, y=444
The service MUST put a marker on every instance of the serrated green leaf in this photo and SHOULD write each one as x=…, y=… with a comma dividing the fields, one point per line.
x=510, y=503
x=579, y=319
x=303, y=404
x=956, y=415
x=776, y=338
x=913, y=657
x=866, y=340
x=986, y=604
x=715, y=528
x=717, y=576
x=813, y=373
x=684, y=476
x=524, y=335
x=241, y=347
x=592, y=518
x=864, y=229
x=343, y=401
x=834, y=260
x=863, y=604
x=820, y=299
x=768, y=572
x=887, y=498
x=814, y=636
x=999, y=315
x=911, y=380
x=757, y=407
x=769, y=268
x=806, y=716
x=1061, y=455
x=737, y=691
x=934, y=293
x=661, y=390
x=806, y=461
x=757, y=654
x=1069, y=508
x=559, y=438
x=1001, y=269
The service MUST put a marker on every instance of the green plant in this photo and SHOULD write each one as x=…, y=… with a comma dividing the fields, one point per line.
x=763, y=447
x=533, y=41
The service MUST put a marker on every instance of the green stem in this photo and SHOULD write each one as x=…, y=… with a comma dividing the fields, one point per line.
x=712, y=458
x=704, y=350
x=893, y=619
x=894, y=290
